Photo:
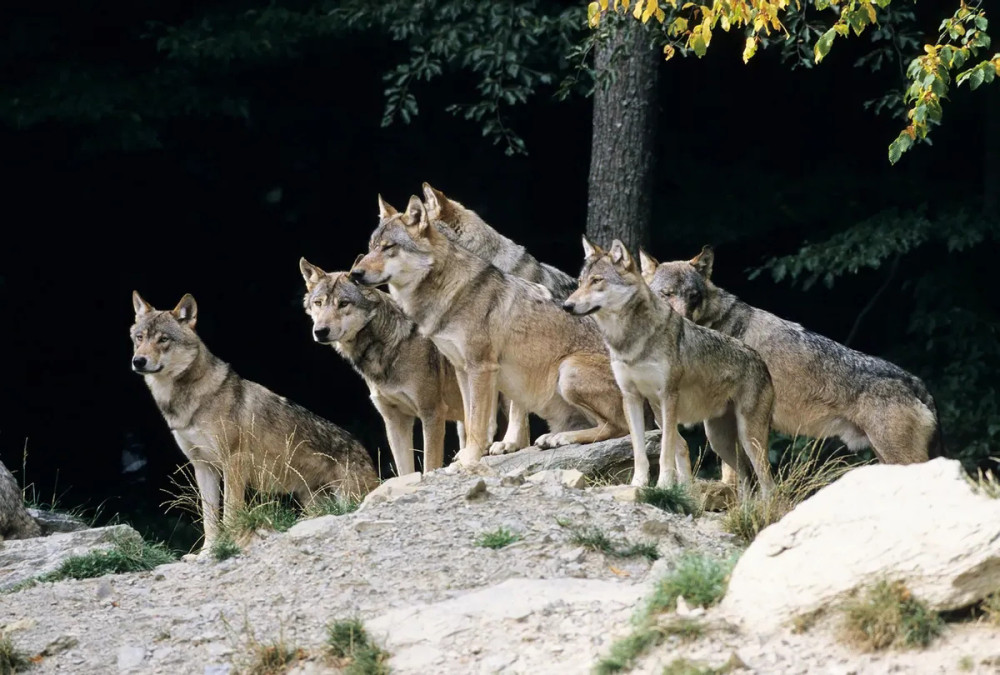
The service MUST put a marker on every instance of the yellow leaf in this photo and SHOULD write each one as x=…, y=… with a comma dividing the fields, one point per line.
x=618, y=572
x=842, y=29
x=626, y=3
x=679, y=25
x=638, y=9
x=725, y=23
x=604, y=5
x=750, y=49
x=661, y=16
x=758, y=23
x=871, y=11
x=593, y=14
x=651, y=6
x=668, y=50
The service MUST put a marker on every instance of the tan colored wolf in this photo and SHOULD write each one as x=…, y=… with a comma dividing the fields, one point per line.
x=465, y=227
x=687, y=373
x=499, y=331
x=822, y=388
x=406, y=375
x=234, y=429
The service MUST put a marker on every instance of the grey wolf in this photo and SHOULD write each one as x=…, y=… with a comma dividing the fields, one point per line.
x=822, y=388
x=235, y=431
x=465, y=227
x=687, y=373
x=406, y=375
x=500, y=332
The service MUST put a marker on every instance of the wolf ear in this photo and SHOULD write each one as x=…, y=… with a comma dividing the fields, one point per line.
x=591, y=250
x=438, y=206
x=310, y=273
x=648, y=265
x=139, y=305
x=703, y=261
x=416, y=215
x=385, y=210
x=620, y=255
x=186, y=310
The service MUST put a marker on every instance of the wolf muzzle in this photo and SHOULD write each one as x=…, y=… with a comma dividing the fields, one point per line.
x=571, y=308
x=139, y=365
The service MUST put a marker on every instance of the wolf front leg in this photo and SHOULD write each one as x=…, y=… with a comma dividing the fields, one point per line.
x=517, y=435
x=432, y=426
x=208, y=480
x=480, y=402
x=399, y=431
x=668, y=441
x=633, y=404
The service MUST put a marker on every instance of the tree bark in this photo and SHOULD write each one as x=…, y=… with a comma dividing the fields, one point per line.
x=991, y=152
x=15, y=522
x=623, y=141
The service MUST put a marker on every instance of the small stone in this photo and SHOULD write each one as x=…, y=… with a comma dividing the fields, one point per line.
x=103, y=589
x=218, y=669
x=573, y=555
x=624, y=493
x=512, y=479
x=477, y=491
x=130, y=657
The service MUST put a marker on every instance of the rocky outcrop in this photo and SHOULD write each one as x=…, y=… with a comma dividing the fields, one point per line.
x=15, y=521
x=922, y=524
x=608, y=458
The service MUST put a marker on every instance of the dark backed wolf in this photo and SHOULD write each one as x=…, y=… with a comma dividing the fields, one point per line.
x=500, y=332
x=234, y=431
x=465, y=227
x=406, y=375
x=823, y=388
x=686, y=372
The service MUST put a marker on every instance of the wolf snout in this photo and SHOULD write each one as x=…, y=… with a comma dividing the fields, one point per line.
x=321, y=334
x=357, y=275
x=569, y=307
x=139, y=363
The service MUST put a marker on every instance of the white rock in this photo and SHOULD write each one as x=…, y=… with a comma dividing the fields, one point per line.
x=569, y=477
x=919, y=523
x=130, y=657
x=393, y=487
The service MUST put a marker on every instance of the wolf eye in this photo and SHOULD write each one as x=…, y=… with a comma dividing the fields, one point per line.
x=388, y=245
x=317, y=302
x=344, y=303
x=137, y=337
x=596, y=279
x=163, y=339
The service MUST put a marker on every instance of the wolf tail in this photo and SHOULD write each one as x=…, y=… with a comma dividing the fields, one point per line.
x=936, y=447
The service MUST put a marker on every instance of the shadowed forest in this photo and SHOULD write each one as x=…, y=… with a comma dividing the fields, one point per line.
x=178, y=147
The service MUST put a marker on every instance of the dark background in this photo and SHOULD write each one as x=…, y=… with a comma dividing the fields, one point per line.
x=753, y=158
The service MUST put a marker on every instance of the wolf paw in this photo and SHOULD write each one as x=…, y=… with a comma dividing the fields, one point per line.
x=469, y=456
x=504, y=447
x=640, y=480
x=666, y=479
x=554, y=440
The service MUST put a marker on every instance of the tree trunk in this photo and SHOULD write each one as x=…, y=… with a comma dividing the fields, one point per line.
x=991, y=152
x=15, y=523
x=622, y=145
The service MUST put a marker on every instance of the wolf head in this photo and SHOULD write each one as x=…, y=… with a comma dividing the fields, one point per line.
x=401, y=249
x=338, y=306
x=685, y=284
x=608, y=280
x=164, y=343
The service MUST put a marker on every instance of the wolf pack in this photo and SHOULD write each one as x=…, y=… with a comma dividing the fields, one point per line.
x=471, y=328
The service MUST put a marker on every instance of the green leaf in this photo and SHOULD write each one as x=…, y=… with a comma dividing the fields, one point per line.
x=823, y=45
x=976, y=77
x=899, y=146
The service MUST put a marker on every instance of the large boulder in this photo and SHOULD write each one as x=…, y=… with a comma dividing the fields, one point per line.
x=923, y=524
x=611, y=458
x=15, y=521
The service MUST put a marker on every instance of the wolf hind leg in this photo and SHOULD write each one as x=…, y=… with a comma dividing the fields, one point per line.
x=517, y=435
x=586, y=383
x=900, y=432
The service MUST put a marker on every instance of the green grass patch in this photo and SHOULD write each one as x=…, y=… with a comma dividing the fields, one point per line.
x=700, y=579
x=12, y=660
x=684, y=667
x=330, y=505
x=224, y=548
x=594, y=539
x=353, y=649
x=269, y=515
x=888, y=615
x=273, y=659
x=127, y=554
x=675, y=499
x=497, y=538
x=986, y=483
x=802, y=476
